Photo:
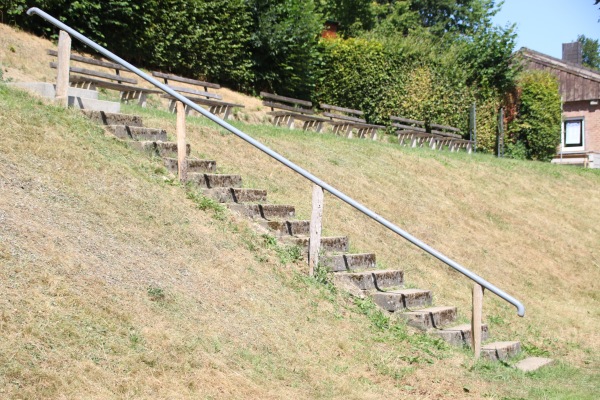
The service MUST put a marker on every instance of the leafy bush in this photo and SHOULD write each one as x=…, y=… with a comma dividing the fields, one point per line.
x=537, y=124
x=284, y=45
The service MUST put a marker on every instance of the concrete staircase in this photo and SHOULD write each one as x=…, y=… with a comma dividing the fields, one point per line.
x=354, y=272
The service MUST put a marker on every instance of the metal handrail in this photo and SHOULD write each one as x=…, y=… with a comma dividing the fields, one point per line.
x=476, y=278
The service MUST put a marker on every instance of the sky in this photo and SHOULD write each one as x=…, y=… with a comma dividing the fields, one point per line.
x=545, y=25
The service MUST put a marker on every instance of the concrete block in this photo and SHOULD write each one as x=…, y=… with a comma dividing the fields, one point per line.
x=460, y=335
x=193, y=165
x=137, y=133
x=399, y=300
x=48, y=90
x=107, y=118
x=94, y=104
x=428, y=318
x=370, y=280
x=533, y=363
x=349, y=262
x=236, y=195
x=500, y=350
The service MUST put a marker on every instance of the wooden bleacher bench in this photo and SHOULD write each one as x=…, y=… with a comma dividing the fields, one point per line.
x=414, y=133
x=449, y=137
x=213, y=101
x=286, y=110
x=411, y=132
x=92, y=79
x=344, y=120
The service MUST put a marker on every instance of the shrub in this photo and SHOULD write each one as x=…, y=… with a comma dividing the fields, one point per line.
x=537, y=123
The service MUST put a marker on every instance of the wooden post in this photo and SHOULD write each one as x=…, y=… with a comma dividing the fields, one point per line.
x=315, y=228
x=62, y=77
x=181, y=145
x=476, y=319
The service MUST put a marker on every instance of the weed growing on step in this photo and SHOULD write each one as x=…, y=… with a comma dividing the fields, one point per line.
x=287, y=254
x=396, y=330
x=205, y=203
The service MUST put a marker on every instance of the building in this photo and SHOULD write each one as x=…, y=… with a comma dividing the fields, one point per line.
x=580, y=91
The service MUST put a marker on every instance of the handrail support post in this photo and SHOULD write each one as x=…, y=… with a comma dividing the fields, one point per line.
x=61, y=95
x=181, y=143
x=316, y=218
x=476, y=320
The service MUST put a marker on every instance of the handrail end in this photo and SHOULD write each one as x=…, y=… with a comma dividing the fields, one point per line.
x=520, y=310
x=32, y=10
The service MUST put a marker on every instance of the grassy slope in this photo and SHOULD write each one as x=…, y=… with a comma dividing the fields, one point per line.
x=90, y=232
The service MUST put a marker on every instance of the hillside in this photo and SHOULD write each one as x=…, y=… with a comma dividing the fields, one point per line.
x=114, y=285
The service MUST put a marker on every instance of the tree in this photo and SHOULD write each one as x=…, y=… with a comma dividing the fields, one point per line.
x=591, y=51
x=284, y=45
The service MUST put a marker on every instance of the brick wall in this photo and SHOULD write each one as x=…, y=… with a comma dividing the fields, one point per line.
x=591, y=115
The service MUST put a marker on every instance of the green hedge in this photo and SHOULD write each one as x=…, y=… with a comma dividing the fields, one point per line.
x=364, y=74
x=535, y=132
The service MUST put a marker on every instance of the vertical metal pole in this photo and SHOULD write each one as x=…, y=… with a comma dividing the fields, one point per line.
x=315, y=228
x=62, y=78
x=473, y=126
x=501, y=133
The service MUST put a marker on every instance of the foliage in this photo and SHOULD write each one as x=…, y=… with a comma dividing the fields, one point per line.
x=196, y=38
x=591, y=52
x=537, y=125
x=284, y=45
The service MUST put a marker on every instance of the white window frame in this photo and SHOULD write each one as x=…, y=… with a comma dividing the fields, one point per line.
x=566, y=148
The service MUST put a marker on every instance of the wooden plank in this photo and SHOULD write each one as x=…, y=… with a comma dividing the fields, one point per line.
x=91, y=61
x=185, y=80
x=111, y=85
x=287, y=108
x=181, y=146
x=98, y=74
x=407, y=120
x=344, y=117
x=446, y=134
x=315, y=228
x=409, y=128
x=476, y=319
x=266, y=95
x=445, y=127
x=208, y=102
x=196, y=92
x=62, y=77
x=341, y=109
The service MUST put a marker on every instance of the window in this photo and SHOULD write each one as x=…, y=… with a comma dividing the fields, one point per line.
x=573, y=134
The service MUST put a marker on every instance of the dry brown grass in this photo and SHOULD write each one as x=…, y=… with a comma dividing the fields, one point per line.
x=87, y=227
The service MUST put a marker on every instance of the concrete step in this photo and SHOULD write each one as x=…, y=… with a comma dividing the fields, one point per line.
x=161, y=149
x=85, y=103
x=107, y=118
x=193, y=165
x=265, y=211
x=236, y=195
x=333, y=244
x=48, y=90
x=349, y=262
x=402, y=299
x=370, y=280
x=533, y=363
x=137, y=133
x=500, y=350
x=287, y=227
x=432, y=317
x=460, y=335
x=214, y=180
